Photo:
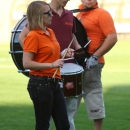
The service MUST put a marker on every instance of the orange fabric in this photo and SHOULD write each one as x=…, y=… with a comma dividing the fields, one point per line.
x=46, y=49
x=98, y=23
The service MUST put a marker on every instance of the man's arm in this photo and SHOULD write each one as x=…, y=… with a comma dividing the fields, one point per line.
x=22, y=36
x=77, y=45
x=109, y=42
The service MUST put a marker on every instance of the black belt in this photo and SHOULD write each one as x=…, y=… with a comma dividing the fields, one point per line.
x=46, y=78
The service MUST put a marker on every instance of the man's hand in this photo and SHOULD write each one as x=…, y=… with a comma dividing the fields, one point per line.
x=69, y=53
x=91, y=62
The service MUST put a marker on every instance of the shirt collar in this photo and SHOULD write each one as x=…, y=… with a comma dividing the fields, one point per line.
x=63, y=13
x=41, y=31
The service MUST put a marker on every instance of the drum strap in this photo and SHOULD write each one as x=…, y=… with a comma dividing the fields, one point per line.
x=82, y=10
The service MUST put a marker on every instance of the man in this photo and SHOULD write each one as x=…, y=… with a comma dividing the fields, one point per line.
x=100, y=29
x=63, y=25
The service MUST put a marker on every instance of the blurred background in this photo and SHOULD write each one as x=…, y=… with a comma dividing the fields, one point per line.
x=11, y=11
x=16, y=111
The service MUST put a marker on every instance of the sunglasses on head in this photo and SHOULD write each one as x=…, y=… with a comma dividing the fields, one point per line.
x=49, y=13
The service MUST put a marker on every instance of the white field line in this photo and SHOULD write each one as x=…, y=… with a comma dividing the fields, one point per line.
x=5, y=60
x=104, y=71
x=117, y=70
x=8, y=66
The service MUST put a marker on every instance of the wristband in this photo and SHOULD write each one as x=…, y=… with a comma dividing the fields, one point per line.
x=52, y=65
x=95, y=57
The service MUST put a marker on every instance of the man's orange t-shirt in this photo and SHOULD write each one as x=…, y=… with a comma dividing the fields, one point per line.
x=46, y=49
x=98, y=23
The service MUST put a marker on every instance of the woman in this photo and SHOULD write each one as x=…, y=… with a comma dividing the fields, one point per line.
x=41, y=55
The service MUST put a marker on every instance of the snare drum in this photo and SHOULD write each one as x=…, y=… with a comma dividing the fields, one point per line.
x=72, y=75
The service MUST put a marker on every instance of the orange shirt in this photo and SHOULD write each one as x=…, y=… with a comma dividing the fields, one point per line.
x=98, y=23
x=46, y=49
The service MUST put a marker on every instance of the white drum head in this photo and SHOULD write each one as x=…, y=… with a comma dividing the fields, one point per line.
x=70, y=69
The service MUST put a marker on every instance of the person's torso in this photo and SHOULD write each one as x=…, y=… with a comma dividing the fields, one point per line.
x=46, y=49
x=64, y=27
x=98, y=24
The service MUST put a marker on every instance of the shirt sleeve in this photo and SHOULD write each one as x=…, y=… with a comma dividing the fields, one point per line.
x=31, y=43
x=106, y=23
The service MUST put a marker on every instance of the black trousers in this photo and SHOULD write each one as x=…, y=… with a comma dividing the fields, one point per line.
x=48, y=100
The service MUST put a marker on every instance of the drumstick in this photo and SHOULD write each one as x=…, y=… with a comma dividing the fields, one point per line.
x=69, y=58
x=87, y=43
x=63, y=56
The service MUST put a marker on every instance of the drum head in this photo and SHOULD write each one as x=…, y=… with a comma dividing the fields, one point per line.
x=71, y=69
x=16, y=50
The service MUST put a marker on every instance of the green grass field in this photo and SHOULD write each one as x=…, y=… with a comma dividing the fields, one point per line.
x=16, y=111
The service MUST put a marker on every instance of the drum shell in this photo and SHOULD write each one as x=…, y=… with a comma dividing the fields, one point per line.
x=77, y=80
x=74, y=76
x=16, y=50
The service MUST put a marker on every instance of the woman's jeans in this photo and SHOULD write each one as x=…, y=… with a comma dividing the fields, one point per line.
x=48, y=99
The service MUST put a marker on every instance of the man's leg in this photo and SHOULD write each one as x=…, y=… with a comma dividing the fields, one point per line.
x=98, y=124
x=93, y=96
x=95, y=107
x=71, y=105
x=79, y=99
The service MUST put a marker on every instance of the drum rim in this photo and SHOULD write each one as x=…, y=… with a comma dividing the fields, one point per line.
x=72, y=73
x=13, y=51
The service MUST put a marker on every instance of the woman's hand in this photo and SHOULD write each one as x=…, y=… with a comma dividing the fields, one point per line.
x=58, y=63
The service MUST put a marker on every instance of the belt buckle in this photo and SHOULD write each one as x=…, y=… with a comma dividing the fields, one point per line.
x=53, y=79
x=50, y=79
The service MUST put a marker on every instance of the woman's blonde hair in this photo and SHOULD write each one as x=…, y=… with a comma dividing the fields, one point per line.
x=35, y=15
